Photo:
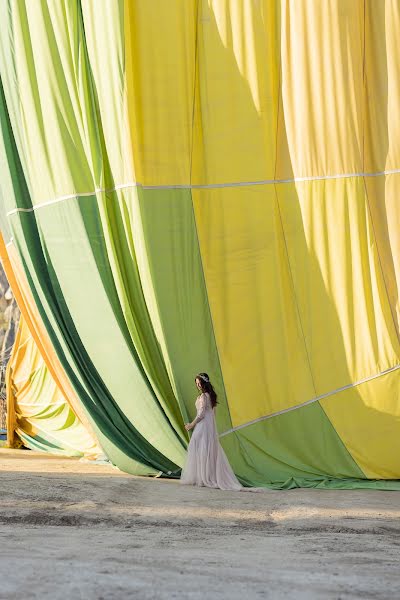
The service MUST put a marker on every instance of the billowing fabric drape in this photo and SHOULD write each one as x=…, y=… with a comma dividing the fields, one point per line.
x=42, y=408
x=38, y=413
x=211, y=186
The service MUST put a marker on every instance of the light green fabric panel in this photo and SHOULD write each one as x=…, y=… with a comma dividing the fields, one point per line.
x=300, y=443
x=92, y=330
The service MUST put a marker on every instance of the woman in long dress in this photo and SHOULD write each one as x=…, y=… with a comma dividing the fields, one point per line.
x=206, y=462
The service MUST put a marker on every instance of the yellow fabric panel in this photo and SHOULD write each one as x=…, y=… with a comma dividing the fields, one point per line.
x=383, y=197
x=249, y=287
x=17, y=378
x=160, y=47
x=20, y=287
x=367, y=419
x=210, y=114
x=236, y=91
x=342, y=298
x=39, y=407
x=322, y=87
x=382, y=86
x=309, y=275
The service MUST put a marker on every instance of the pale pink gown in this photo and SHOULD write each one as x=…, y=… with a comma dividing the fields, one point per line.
x=206, y=462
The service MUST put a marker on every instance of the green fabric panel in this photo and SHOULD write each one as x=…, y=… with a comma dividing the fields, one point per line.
x=73, y=302
x=176, y=294
x=12, y=181
x=338, y=484
x=124, y=278
x=9, y=78
x=297, y=444
x=6, y=182
x=45, y=61
x=107, y=69
x=76, y=258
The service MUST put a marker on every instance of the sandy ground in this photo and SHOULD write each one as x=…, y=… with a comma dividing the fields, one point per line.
x=76, y=530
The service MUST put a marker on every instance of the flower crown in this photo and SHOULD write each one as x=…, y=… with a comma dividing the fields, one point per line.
x=204, y=378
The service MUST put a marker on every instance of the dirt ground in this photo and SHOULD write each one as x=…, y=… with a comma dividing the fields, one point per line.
x=74, y=530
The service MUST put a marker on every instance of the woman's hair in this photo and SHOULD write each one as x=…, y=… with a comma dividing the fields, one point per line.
x=207, y=387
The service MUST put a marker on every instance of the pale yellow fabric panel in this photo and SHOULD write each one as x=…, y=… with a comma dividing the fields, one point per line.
x=40, y=408
x=382, y=86
x=160, y=43
x=322, y=87
x=20, y=287
x=342, y=298
x=367, y=419
x=22, y=365
x=265, y=365
x=236, y=91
